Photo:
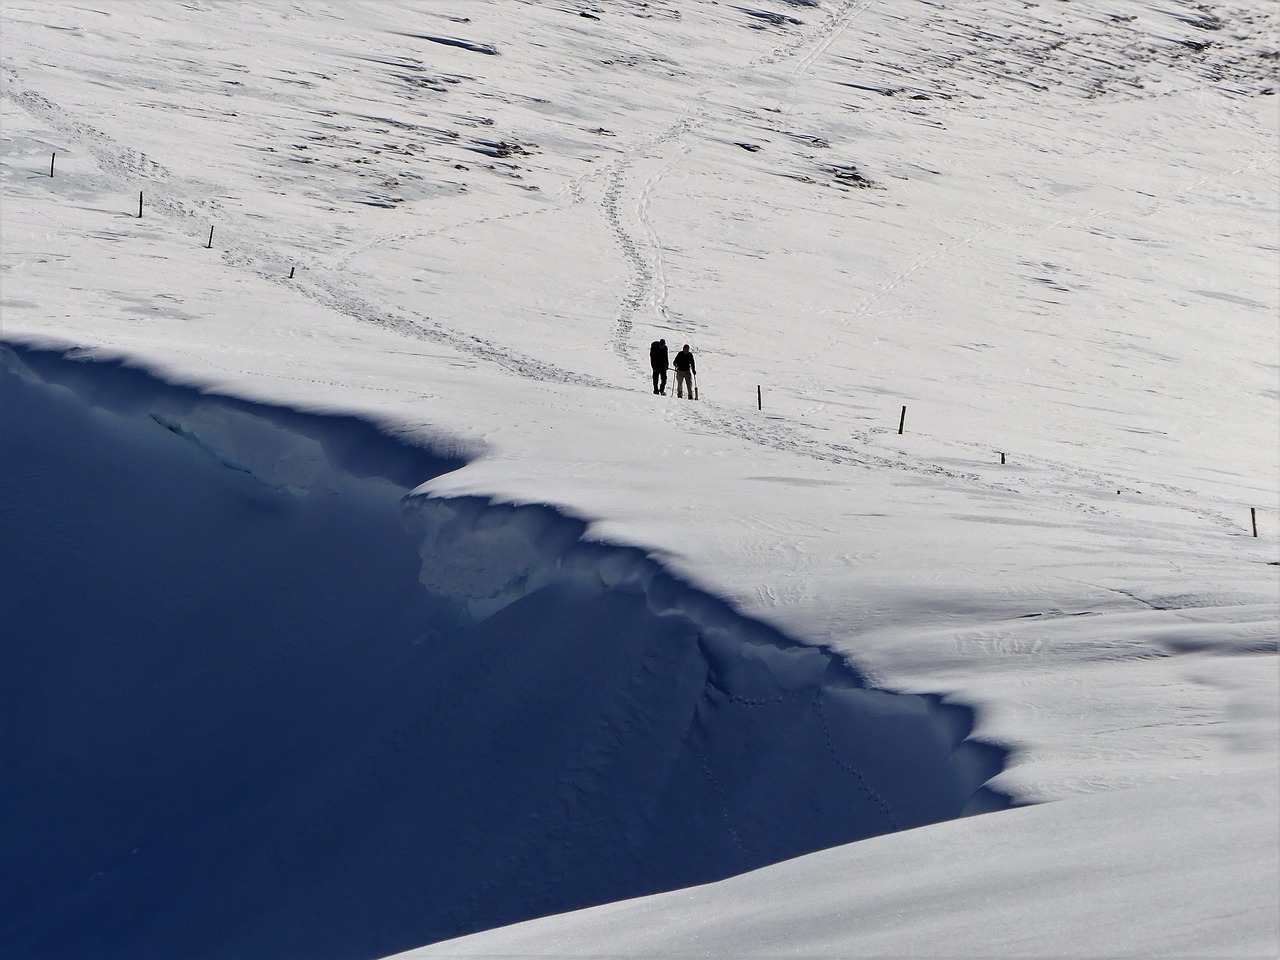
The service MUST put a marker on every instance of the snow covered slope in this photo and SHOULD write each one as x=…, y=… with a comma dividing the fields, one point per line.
x=1049, y=231
x=243, y=660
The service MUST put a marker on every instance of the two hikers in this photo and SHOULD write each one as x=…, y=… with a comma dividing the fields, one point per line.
x=685, y=370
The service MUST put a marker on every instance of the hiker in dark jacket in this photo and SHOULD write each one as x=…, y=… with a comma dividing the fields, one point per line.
x=685, y=372
x=658, y=360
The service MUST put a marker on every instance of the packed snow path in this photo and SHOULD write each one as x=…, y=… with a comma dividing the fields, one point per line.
x=239, y=658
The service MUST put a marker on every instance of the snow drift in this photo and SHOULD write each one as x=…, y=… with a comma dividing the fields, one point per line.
x=262, y=700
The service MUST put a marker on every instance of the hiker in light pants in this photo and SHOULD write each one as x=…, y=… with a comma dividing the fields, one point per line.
x=685, y=372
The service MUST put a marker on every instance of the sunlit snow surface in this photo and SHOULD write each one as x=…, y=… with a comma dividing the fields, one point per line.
x=1047, y=230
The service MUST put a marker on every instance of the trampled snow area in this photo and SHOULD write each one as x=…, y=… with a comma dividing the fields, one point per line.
x=358, y=593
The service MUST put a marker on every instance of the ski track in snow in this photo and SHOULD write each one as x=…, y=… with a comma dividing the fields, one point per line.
x=251, y=251
x=647, y=286
x=837, y=22
x=643, y=286
x=571, y=193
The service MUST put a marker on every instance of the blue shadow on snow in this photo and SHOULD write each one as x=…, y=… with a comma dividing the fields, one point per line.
x=260, y=700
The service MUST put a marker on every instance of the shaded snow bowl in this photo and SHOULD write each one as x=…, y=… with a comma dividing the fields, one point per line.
x=258, y=699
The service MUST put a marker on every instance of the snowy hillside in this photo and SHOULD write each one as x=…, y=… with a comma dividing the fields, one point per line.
x=359, y=593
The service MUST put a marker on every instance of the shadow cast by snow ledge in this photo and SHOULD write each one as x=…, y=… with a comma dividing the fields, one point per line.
x=266, y=702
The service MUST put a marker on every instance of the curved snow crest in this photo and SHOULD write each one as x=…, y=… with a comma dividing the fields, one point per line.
x=486, y=556
x=242, y=656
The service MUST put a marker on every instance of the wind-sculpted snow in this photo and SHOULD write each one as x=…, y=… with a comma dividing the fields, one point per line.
x=261, y=700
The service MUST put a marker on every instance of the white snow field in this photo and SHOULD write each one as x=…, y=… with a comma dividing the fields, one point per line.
x=359, y=596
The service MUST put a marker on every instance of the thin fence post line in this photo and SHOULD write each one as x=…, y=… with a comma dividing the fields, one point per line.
x=139, y=204
x=1002, y=457
x=209, y=245
x=902, y=420
x=53, y=156
x=1253, y=518
x=759, y=398
x=291, y=269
